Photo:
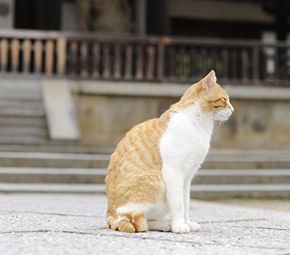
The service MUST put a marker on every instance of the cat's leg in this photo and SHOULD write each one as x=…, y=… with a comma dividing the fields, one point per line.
x=159, y=225
x=174, y=184
x=192, y=225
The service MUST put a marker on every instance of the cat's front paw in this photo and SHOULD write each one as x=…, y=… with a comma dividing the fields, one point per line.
x=180, y=228
x=194, y=226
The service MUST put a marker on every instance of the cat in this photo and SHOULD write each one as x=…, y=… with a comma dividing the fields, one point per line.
x=150, y=172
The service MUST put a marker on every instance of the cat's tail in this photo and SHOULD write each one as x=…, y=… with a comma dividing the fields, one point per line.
x=132, y=221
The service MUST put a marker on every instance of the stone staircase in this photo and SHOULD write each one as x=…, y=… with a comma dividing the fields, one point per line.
x=31, y=162
x=257, y=174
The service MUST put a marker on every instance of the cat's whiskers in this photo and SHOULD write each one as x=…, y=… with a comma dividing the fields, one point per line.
x=218, y=128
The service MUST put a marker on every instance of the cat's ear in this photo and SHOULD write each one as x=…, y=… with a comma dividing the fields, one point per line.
x=209, y=80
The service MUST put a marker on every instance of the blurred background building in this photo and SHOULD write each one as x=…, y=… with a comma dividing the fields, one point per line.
x=76, y=75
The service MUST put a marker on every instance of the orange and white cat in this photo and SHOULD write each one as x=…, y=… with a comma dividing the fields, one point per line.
x=150, y=172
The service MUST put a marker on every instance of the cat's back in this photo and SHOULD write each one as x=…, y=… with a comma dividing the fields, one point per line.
x=138, y=152
x=134, y=172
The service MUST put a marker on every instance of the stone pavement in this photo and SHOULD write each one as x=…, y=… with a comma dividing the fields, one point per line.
x=40, y=224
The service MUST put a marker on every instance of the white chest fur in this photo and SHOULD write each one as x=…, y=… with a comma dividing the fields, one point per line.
x=186, y=140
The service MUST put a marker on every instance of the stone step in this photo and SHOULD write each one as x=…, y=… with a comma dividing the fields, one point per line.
x=247, y=161
x=242, y=176
x=215, y=191
x=93, y=176
x=77, y=160
x=53, y=160
x=52, y=175
x=56, y=146
x=197, y=191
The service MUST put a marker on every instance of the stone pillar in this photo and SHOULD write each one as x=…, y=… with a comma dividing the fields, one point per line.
x=7, y=14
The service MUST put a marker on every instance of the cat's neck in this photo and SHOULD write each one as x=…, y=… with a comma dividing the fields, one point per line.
x=203, y=121
x=193, y=114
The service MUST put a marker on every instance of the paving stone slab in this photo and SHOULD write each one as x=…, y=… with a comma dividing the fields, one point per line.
x=75, y=224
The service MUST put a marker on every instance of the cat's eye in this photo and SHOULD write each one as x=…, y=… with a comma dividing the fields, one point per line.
x=224, y=99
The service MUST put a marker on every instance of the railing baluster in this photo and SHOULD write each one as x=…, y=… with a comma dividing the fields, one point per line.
x=49, y=57
x=4, y=55
x=276, y=67
x=225, y=58
x=96, y=60
x=26, y=52
x=146, y=58
x=203, y=61
x=264, y=66
x=150, y=62
x=117, y=62
x=139, y=63
x=15, y=55
x=234, y=64
x=284, y=64
x=171, y=64
x=256, y=65
x=245, y=60
x=128, y=65
x=161, y=61
x=193, y=63
x=182, y=64
x=61, y=55
x=38, y=50
x=214, y=59
x=84, y=65
x=106, y=62
x=74, y=58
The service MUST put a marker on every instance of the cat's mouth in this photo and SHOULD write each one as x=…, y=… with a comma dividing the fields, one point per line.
x=223, y=116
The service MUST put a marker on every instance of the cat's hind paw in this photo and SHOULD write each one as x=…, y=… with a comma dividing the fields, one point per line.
x=180, y=228
x=194, y=226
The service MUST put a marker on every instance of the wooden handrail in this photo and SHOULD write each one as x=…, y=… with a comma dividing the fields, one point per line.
x=142, y=58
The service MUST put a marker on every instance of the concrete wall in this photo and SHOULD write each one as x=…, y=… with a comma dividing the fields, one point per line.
x=107, y=110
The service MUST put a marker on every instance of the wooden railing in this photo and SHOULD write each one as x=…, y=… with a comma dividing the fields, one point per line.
x=164, y=59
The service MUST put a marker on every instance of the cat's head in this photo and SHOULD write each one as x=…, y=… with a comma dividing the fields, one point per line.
x=210, y=96
x=214, y=99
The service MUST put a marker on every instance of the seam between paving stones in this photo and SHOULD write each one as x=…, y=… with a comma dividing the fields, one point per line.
x=98, y=217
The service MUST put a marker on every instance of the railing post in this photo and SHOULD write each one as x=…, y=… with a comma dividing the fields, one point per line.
x=61, y=55
x=26, y=51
